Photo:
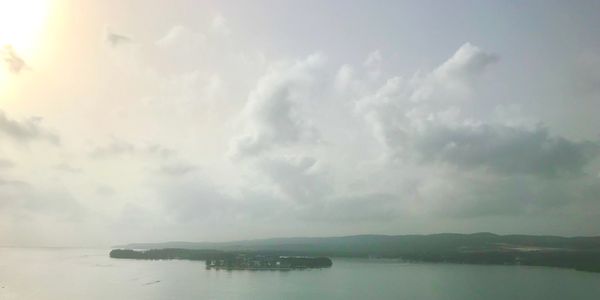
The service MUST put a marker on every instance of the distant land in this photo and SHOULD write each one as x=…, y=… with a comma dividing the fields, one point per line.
x=229, y=260
x=580, y=253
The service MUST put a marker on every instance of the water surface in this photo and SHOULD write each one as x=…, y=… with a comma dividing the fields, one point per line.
x=65, y=274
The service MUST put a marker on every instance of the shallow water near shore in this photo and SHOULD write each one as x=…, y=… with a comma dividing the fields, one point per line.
x=44, y=274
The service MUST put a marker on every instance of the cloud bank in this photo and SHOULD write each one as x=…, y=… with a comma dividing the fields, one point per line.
x=194, y=132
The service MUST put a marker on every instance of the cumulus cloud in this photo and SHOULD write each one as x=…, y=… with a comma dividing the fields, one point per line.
x=272, y=115
x=439, y=161
x=12, y=60
x=466, y=165
x=220, y=127
x=400, y=108
x=466, y=63
x=506, y=149
x=349, y=146
x=409, y=126
x=455, y=77
x=26, y=131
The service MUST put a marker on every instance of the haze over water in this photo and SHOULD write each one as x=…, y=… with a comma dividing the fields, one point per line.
x=69, y=274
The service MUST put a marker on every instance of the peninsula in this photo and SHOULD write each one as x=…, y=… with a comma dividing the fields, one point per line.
x=216, y=259
x=580, y=253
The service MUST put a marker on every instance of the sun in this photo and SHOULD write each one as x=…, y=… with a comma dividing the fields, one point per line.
x=21, y=26
x=21, y=22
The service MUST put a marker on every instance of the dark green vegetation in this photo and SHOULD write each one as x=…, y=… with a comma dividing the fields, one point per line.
x=227, y=260
x=581, y=253
x=171, y=253
x=307, y=262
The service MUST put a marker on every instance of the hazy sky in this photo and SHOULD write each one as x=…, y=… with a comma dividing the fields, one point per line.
x=125, y=121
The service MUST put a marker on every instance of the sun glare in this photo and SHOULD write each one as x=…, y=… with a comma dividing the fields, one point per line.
x=21, y=22
x=21, y=25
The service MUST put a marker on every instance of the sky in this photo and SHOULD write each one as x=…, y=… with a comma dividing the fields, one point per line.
x=146, y=121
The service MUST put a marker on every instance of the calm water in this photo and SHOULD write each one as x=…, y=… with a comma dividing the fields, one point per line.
x=66, y=274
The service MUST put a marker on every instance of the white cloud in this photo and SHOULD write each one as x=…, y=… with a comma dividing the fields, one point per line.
x=322, y=147
x=454, y=78
x=400, y=108
x=272, y=115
